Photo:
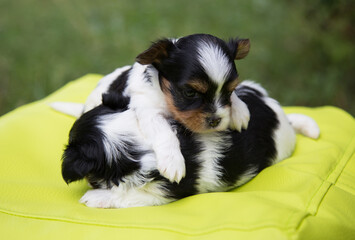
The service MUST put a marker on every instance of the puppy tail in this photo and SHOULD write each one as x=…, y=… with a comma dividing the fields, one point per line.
x=304, y=125
x=71, y=109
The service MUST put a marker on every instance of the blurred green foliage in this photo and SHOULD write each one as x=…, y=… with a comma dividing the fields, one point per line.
x=301, y=51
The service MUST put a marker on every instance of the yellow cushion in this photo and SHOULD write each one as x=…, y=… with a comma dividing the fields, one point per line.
x=308, y=196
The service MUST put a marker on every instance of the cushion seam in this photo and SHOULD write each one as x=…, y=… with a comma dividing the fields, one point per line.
x=151, y=228
x=331, y=183
x=328, y=183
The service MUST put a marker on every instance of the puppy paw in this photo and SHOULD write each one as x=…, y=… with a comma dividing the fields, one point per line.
x=240, y=114
x=171, y=165
x=98, y=198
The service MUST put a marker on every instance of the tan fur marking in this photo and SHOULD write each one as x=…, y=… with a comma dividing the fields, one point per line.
x=199, y=86
x=194, y=120
x=243, y=48
x=232, y=85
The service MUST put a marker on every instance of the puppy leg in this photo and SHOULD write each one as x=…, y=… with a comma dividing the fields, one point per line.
x=166, y=145
x=123, y=196
x=99, y=198
x=148, y=102
x=240, y=114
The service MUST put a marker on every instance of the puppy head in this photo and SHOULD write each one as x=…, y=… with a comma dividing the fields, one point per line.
x=197, y=75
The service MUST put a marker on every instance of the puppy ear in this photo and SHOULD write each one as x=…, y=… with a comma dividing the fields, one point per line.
x=74, y=167
x=157, y=52
x=240, y=48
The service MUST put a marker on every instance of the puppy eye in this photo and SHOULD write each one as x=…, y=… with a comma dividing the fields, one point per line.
x=189, y=93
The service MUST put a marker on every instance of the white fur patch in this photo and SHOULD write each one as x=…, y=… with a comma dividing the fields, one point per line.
x=284, y=135
x=240, y=114
x=118, y=128
x=145, y=94
x=214, y=62
x=213, y=144
x=224, y=113
x=124, y=196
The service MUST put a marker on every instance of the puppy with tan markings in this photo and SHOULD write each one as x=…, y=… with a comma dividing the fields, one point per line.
x=190, y=79
x=197, y=76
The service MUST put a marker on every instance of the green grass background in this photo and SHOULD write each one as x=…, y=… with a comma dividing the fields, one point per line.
x=301, y=51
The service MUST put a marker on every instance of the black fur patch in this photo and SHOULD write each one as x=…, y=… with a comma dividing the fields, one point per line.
x=114, y=97
x=190, y=148
x=254, y=147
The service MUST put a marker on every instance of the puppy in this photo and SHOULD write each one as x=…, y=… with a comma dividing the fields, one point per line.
x=108, y=148
x=190, y=79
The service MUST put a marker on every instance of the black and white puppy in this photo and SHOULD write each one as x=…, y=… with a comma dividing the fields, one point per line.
x=190, y=79
x=107, y=147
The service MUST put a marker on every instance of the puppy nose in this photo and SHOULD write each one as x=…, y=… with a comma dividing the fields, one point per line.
x=213, y=121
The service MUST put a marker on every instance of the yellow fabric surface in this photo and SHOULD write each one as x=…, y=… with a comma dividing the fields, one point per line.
x=308, y=196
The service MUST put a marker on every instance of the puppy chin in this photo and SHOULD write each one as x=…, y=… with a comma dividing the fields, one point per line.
x=211, y=130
